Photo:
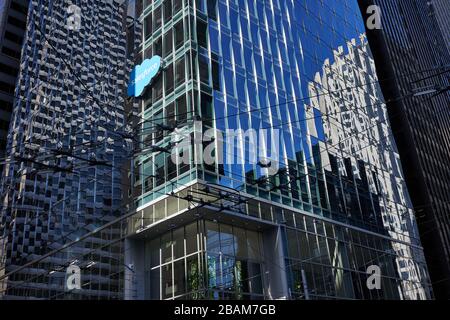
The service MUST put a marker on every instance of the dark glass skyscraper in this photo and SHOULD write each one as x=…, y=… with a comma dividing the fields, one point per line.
x=300, y=72
x=62, y=176
x=412, y=56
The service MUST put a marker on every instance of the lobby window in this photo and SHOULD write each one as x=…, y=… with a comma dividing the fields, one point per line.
x=179, y=273
x=234, y=262
x=167, y=281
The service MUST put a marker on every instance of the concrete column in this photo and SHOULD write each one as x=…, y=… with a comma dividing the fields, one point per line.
x=134, y=269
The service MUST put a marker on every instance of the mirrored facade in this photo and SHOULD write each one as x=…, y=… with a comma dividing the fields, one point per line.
x=301, y=211
x=302, y=71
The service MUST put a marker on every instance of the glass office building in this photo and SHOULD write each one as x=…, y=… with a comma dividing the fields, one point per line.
x=301, y=70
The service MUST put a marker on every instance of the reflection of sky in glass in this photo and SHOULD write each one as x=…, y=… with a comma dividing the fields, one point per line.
x=270, y=68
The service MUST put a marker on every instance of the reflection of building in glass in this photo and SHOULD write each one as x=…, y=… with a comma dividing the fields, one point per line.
x=368, y=162
x=412, y=54
x=338, y=204
x=62, y=177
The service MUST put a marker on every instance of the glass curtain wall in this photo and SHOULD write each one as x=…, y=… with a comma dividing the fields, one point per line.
x=205, y=260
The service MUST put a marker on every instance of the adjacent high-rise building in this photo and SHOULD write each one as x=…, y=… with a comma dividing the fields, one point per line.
x=305, y=195
x=65, y=151
x=13, y=17
x=411, y=52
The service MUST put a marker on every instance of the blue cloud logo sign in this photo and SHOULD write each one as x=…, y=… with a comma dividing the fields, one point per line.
x=142, y=75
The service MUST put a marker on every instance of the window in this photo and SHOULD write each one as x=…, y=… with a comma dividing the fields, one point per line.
x=8, y=70
x=191, y=238
x=18, y=7
x=11, y=52
x=203, y=66
x=157, y=18
x=148, y=26
x=148, y=53
x=179, y=34
x=181, y=109
x=169, y=81
x=179, y=278
x=13, y=37
x=170, y=114
x=178, y=243
x=212, y=6
x=16, y=22
x=6, y=106
x=171, y=168
x=154, y=253
x=177, y=6
x=157, y=89
x=179, y=72
x=6, y=87
x=167, y=283
x=206, y=107
x=168, y=45
x=157, y=47
x=160, y=172
x=193, y=274
x=215, y=75
x=202, y=30
x=167, y=10
x=158, y=135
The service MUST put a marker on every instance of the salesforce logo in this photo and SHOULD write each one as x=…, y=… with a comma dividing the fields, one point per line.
x=142, y=75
